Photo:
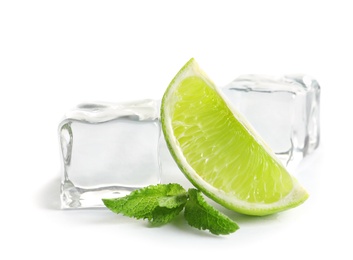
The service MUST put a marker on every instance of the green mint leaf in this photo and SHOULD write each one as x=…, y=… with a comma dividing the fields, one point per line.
x=157, y=203
x=162, y=215
x=175, y=195
x=201, y=215
x=172, y=201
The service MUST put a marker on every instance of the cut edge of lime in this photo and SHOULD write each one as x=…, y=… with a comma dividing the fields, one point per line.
x=297, y=195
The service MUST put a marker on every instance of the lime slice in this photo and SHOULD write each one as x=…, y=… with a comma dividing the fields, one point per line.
x=219, y=152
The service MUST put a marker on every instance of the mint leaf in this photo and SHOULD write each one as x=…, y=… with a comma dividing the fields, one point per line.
x=162, y=215
x=163, y=202
x=174, y=196
x=157, y=203
x=201, y=215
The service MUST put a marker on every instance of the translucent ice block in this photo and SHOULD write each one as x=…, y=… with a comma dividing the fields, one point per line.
x=108, y=150
x=283, y=110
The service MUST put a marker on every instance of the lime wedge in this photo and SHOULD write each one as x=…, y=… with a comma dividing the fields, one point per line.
x=219, y=152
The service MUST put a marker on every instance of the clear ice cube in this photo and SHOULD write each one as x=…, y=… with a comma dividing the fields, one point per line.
x=108, y=150
x=283, y=110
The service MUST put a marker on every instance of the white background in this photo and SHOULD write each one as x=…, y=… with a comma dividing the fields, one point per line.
x=56, y=54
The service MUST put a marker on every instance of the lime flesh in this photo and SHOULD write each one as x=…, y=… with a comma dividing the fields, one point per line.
x=219, y=152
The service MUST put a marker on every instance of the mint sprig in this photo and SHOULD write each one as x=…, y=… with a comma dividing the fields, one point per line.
x=201, y=215
x=161, y=203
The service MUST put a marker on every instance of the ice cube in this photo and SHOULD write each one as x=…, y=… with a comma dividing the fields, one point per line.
x=284, y=110
x=108, y=150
